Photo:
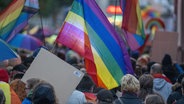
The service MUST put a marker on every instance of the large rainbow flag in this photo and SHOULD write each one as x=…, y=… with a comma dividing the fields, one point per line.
x=87, y=31
x=15, y=17
x=132, y=23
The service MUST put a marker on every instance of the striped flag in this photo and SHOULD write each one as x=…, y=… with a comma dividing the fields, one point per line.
x=132, y=23
x=15, y=17
x=87, y=31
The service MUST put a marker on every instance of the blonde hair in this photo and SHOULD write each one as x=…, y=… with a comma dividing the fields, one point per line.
x=130, y=83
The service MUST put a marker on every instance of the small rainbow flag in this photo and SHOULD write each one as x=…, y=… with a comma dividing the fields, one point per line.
x=132, y=23
x=15, y=17
x=87, y=31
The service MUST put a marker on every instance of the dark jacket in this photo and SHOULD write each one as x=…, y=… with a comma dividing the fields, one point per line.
x=174, y=96
x=128, y=98
x=181, y=101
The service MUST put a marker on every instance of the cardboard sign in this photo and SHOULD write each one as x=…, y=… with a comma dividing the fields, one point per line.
x=61, y=75
x=164, y=43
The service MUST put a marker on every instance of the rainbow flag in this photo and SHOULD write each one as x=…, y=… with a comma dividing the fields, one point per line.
x=132, y=23
x=87, y=31
x=15, y=17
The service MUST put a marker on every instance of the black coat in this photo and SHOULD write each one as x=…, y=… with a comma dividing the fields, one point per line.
x=181, y=101
x=174, y=96
x=129, y=98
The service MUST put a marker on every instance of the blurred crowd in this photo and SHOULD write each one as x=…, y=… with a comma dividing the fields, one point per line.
x=152, y=83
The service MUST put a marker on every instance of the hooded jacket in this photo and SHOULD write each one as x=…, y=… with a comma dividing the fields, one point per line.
x=162, y=87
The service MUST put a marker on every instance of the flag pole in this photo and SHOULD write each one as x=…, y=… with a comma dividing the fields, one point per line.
x=53, y=48
x=43, y=34
x=116, y=3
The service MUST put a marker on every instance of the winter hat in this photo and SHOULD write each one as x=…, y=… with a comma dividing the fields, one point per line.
x=4, y=75
x=105, y=96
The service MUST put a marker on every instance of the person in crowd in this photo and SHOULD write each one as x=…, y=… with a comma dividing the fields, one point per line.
x=19, y=69
x=154, y=99
x=146, y=86
x=176, y=90
x=161, y=84
x=19, y=87
x=129, y=87
x=18, y=76
x=87, y=86
x=30, y=83
x=27, y=61
x=141, y=65
x=149, y=66
x=14, y=61
x=181, y=100
x=77, y=97
x=104, y=97
x=72, y=57
x=10, y=95
x=43, y=93
x=168, y=68
x=61, y=54
x=133, y=62
x=2, y=97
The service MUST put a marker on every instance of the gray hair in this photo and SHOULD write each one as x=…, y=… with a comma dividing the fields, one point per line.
x=156, y=69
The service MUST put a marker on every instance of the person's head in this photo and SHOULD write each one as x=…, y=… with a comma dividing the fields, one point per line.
x=61, y=54
x=18, y=71
x=149, y=65
x=167, y=60
x=156, y=69
x=19, y=87
x=129, y=84
x=146, y=81
x=43, y=93
x=154, y=99
x=72, y=57
x=2, y=97
x=86, y=84
x=20, y=68
x=104, y=97
x=30, y=83
x=27, y=61
x=146, y=85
